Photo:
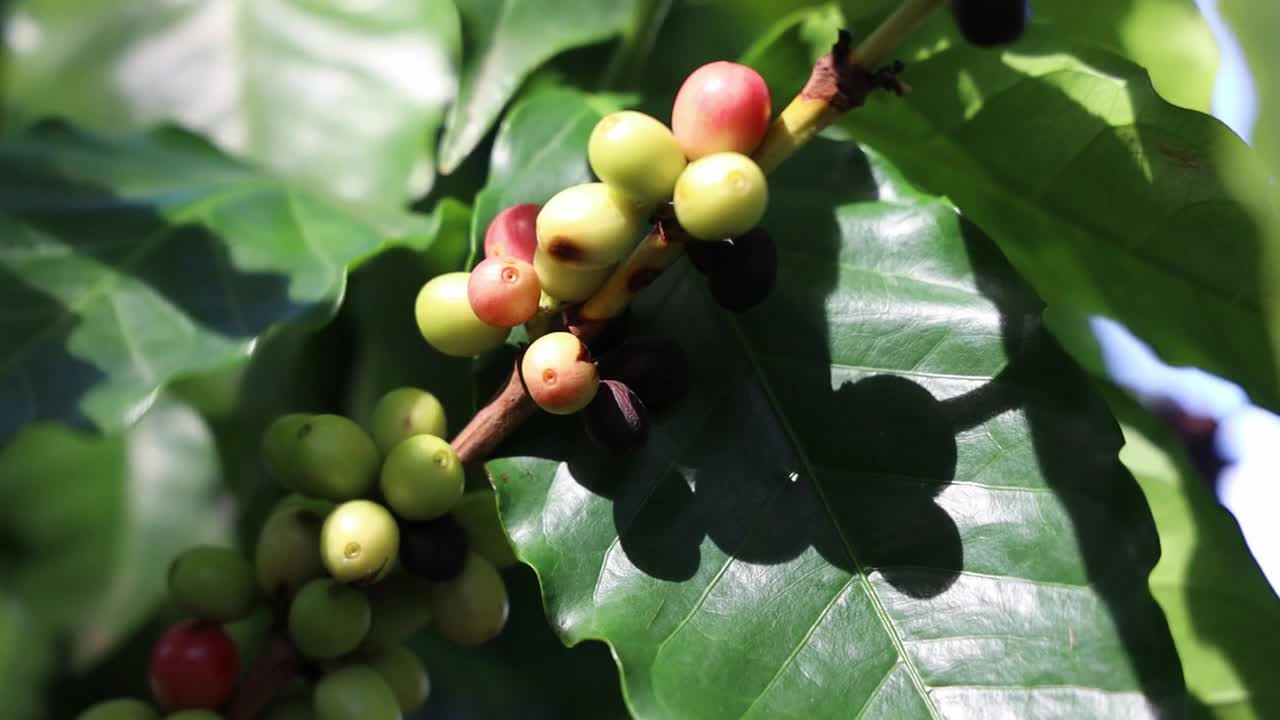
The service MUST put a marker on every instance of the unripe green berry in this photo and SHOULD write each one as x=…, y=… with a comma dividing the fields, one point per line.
x=359, y=541
x=212, y=583
x=472, y=608
x=335, y=458
x=288, y=550
x=405, y=674
x=355, y=692
x=720, y=196
x=448, y=323
x=504, y=291
x=637, y=155
x=590, y=226
x=566, y=282
x=403, y=412
x=400, y=608
x=119, y=709
x=279, y=442
x=477, y=512
x=328, y=619
x=422, y=478
x=559, y=374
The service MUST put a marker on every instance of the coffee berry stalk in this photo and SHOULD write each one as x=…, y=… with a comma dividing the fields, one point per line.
x=839, y=82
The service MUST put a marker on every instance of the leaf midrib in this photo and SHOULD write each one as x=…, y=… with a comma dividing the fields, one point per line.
x=859, y=569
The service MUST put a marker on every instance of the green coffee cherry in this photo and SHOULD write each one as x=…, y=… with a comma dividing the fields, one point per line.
x=471, y=608
x=288, y=549
x=422, y=478
x=477, y=512
x=721, y=196
x=589, y=226
x=636, y=154
x=359, y=541
x=193, y=715
x=120, y=709
x=566, y=282
x=448, y=323
x=328, y=619
x=212, y=583
x=405, y=674
x=336, y=459
x=403, y=412
x=559, y=374
x=278, y=445
x=355, y=692
x=400, y=608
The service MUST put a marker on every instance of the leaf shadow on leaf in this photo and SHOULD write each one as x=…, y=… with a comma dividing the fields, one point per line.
x=65, y=377
x=145, y=280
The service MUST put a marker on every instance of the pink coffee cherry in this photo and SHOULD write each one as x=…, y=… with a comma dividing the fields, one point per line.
x=722, y=107
x=513, y=232
x=504, y=291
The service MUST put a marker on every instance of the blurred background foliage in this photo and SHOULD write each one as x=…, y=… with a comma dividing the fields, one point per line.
x=387, y=111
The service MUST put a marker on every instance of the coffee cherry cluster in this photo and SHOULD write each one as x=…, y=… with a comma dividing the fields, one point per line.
x=376, y=539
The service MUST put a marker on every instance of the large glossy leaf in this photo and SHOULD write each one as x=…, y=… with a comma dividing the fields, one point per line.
x=126, y=264
x=26, y=659
x=1223, y=614
x=1254, y=23
x=888, y=493
x=92, y=522
x=1169, y=38
x=1108, y=199
x=346, y=96
x=506, y=40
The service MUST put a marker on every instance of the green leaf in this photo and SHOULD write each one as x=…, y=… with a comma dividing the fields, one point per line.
x=1254, y=23
x=506, y=40
x=344, y=96
x=1223, y=614
x=26, y=660
x=128, y=263
x=1106, y=198
x=1169, y=38
x=888, y=492
x=538, y=152
x=105, y=514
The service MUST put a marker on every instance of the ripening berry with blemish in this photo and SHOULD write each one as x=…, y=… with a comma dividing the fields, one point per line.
x=559, y=373
x=504, y=291
x=513, y=232
x=721, y=196
x=721, y=107
x=566, y=282
x=590, y=225
x=637, y=155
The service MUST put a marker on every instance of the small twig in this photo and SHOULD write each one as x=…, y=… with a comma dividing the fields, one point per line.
x=495, y=421
x=272, y=670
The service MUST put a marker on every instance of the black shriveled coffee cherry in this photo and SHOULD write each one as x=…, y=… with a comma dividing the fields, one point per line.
x=745, y=274
x=989, y=23
x=433, y=549
x=616, y=419
x=656, y=369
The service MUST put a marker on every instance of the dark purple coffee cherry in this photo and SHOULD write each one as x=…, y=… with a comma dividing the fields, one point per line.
x=706, y=256
x=656, y=369
x=744, y=275
x=434, y=549
x=990, y=23
x=616, y=419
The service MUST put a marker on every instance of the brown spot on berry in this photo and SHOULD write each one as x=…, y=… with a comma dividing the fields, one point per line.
x=563, y=248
